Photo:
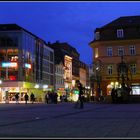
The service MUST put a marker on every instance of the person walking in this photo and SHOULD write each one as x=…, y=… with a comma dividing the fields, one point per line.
x=113, y=95
x=17, y=98
x=60, y=98
x=32, y=97
x=80, y=98
x=26, y=97
x=55, y=97
x=47, y=98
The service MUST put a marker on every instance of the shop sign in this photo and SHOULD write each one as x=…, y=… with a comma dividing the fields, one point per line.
x=9, y=64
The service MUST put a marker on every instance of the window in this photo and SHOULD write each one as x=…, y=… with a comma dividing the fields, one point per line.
x=120, y=33
x=96, y=53
x=109, y=51
x=110, y=69
x=120, y=51
x=51, y=56
x=132, y=50
x=97, y=35
x=133, y=68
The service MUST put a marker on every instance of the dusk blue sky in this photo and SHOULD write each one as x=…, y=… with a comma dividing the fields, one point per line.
x=66, y=21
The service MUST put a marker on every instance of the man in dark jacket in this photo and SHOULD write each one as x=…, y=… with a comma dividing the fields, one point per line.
x=81, y=98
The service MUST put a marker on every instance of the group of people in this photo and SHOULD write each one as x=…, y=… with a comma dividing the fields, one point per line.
x=120, y=95
x=63, y=98
x=51, y=97
x=26, y=98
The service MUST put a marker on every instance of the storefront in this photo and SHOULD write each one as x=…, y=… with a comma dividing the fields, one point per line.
x=135, y=89
x=9, y=89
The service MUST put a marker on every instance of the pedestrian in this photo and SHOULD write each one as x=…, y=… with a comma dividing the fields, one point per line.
x=60, y=98
x=55, y=97
x=32, y=97
x=113, y=96
x=26, y=97
x=17, y=98
x=47, y=98
x=51, y=96
x=80, y=98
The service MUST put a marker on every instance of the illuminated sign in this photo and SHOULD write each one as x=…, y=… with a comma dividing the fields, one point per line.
x=27, y=65
x=12, y=77
x=76, y=91
x=45, y=86
x=9, y=64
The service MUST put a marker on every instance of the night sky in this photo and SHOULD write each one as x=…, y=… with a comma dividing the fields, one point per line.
x=71, y=22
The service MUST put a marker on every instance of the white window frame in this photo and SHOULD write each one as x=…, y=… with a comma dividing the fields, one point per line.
x=132, y=50
x=110, y=69
x=120, y=51
x=120, y=33
x=133, y=68
x=97, y=35
x=109, y=51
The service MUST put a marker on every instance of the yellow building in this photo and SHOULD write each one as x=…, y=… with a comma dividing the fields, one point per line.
x=120, y=38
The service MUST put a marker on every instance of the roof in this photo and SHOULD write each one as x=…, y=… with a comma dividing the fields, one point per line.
x=65, y=47
x=124, y=21
x=13, y=27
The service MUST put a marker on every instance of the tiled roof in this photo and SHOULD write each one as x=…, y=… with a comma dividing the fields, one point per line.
x=124, y=21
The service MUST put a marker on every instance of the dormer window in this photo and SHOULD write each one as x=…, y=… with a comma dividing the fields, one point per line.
x=120, y=33
x=97, y=35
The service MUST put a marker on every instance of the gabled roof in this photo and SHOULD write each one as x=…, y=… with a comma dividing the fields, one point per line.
x=124, y=21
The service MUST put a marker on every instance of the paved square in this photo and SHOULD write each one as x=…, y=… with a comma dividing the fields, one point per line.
x=62, y=120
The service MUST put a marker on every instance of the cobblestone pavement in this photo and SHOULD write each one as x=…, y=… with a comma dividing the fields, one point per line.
x=62, y=120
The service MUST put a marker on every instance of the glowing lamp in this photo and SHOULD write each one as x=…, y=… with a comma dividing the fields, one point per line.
x=45, y=86
x=36, y=86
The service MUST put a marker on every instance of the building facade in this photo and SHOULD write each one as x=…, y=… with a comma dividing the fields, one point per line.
x=120, y=38
x=70, y=59
x=83, y=73
x=26, y=63
x=73, y=68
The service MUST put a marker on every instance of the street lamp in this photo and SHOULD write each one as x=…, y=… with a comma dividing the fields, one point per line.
x=36, y=86
x=123, y=74
x=122, y=71
x=97, y=67
x=98, y=79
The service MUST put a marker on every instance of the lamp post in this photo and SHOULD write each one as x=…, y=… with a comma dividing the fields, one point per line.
x=123, y=77
x=122, y=71
x=98, y=79
x=97, y=71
